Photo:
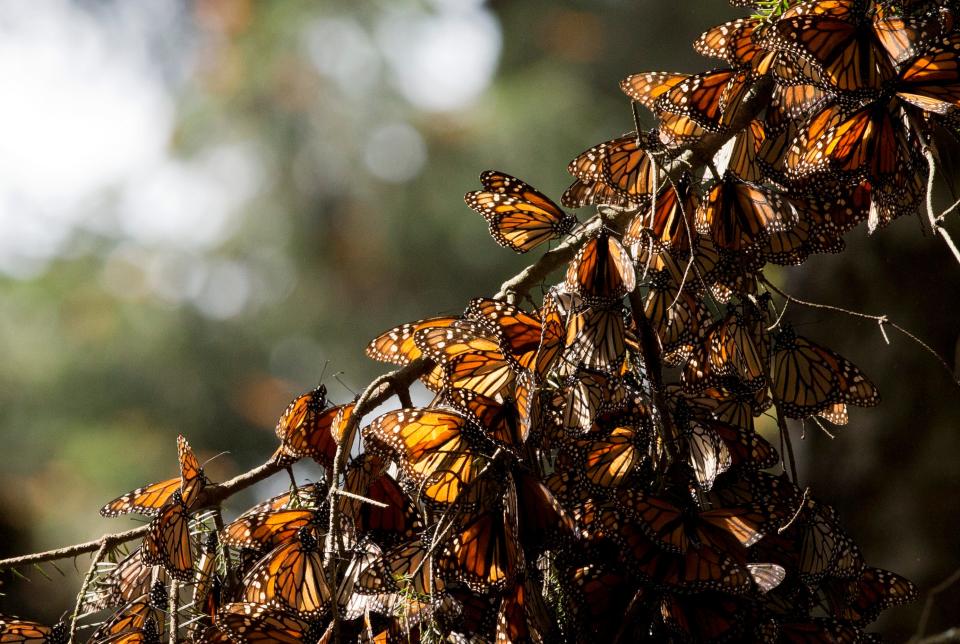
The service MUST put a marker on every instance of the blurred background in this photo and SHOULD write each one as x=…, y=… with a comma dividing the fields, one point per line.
x=206, y=205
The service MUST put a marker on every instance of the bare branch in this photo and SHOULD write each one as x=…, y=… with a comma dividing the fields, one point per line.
x=946, y=637
x=67, y=552
x=881, y=320
x=788, y=442
x=928, y=608
x=87, y=580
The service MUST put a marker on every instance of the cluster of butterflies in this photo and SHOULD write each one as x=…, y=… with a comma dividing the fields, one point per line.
x=589, y=469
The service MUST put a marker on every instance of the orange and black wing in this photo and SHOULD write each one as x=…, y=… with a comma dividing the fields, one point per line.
x=520, y=217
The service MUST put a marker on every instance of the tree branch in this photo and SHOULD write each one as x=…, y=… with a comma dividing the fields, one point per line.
x=928, y=608
x=882, y=320
x=111, y=540
x=87, y=580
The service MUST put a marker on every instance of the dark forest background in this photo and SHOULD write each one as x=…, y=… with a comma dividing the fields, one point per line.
x=206, y=205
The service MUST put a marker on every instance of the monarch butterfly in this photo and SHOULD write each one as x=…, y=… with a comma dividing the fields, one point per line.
x=772, y=499
x=808, y=378
x=602, y=270
x=471, y=359
x=710, y=617
x=519, y=331
x=870, y=144
x=798, y=91
x=678, y=319
x=708, y=455
x=700, y=104
x=500, y=421
x=608, y=460
x=671, y=223
x=734, y=42
x=512, y=625
x=397, y=346
x=135, y=615
x=820, y=227
x=622, y=164
x=861, y=600
x=130, y=578
x=739, y=215
x=291, y=577
x=308, y=428
x=299, y=498
x=266, y=530
x=697, y=569
x=13, y=629
x=596, y=339
x=540, y=517
x=676, y=529
x=205, y=580
x=810, y=545
x=436, y=449
x=932, y=81
x=731, y=347
x=520, y=217
x=399, y=519
x=151, y=498
x=584, y=193
x=484, y=552
x=647, y=87
x=596, y=591
x=744, y=160
x=149, y=633
x=252, y=623
x=813, y=631
x=838, y=37
x=552, y=334
x=404, y=568
x=168, y=542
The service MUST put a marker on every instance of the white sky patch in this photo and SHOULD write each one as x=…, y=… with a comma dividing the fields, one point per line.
x=395, y=153
x=81, y=110
x=443, y=60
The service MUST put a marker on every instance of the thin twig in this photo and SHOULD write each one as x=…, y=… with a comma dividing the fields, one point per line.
x=928, y=606
x=376, y=393
x=651, y=350
x=881, y=320
x=785, y=435
x=87, y=580
x=360, y=498
x=946, y=212
x=929, y=154
x=949, y=636
x=796, y=515
x=629, y=616
x=173, y=603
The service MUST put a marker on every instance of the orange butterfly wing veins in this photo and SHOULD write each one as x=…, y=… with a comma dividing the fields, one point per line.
x=520, y=217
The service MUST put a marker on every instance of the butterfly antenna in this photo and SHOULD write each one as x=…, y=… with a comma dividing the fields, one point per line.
x=214, y=457
x=324, y=370
x=336, y=377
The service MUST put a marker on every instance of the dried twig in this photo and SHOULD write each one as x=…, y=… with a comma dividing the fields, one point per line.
x=87, y=580
x=796, y=515
x=928, y=608
x=785, y=435
x=110, y=540
x=882, y=320
x=174, y=608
